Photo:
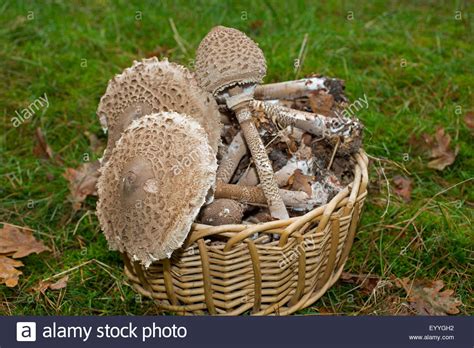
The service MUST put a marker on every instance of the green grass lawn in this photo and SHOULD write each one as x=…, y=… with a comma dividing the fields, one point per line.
x=414, y=63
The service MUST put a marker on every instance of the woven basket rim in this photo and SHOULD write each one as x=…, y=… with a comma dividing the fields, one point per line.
x=292, y=222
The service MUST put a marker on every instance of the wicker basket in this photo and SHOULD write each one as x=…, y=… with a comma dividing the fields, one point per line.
x=244, y=274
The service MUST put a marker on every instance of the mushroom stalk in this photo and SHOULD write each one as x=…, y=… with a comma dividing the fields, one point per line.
x=319, y=125
x=255, y=195
x=237, y=149
x=290, y=89
x=262, y=162
x=230, y=65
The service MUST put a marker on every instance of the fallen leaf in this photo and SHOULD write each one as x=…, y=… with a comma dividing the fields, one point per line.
x=367, y=282
x=159, y=51
x=469, y=120
x=440, y=151
x=8, y=273
x=304, y=153
x=321, y=102
x=45, y=285
x=42, y=149
x=256, y=25
x=19, y=242
x=300, y=182
x=96, y=144
x=60, y=284
x=403, y=187
x=426, y=299
x=82, y=182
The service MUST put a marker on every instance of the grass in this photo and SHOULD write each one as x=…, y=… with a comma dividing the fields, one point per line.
x=413, y=61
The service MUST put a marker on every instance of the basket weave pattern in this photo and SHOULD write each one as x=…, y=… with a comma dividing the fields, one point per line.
x=244, y=274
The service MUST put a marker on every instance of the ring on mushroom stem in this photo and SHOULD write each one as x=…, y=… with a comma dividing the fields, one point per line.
x=230, y=65
x=145, y=208
x=151, y=86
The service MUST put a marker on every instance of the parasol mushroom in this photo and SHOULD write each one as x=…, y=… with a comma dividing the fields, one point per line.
x=230, y=65
x=151, y=86
x=154, y=184
x=222, y=212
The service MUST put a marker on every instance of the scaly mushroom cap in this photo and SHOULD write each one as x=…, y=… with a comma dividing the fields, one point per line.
x=222, y=212
x=152, y=86
x=226, y=57
x=153, y=185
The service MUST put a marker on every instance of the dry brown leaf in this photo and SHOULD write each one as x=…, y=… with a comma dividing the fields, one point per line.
x=82, y=182
x=367, y=282
x=256, y=24
x=321, y=102
x=19, y=242
x=426, y=299
x=60, y=284
x=440, y=150
x=42, y=149
x=96, y=145
x=403, y=187
x=8, y=273
x=469, y=120
x=45, y=285
x=300, y=182
x=159, y=51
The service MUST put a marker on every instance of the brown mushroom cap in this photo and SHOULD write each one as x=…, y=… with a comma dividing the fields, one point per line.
x=226, y=57
x=151, y=86
x=222, y=212
x=153, y=185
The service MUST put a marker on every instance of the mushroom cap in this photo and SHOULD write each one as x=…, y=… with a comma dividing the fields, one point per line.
x=151, y=86
x=153, y=185
x=222, y=211
x=226, y=57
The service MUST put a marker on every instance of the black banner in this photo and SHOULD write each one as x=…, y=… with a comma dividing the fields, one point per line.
x=295, y=331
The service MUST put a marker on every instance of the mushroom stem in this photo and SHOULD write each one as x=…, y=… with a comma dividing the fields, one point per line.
x=290, y=89
x=255, y=195
x=237, y=149
x=262, y=162
x=319, y=125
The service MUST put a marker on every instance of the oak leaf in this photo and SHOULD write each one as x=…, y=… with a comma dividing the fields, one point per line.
x=367, y=282
x=469, y=120
x=45, y=285
x=8, y=273
x=426, y=298
x=440, y=151
x=19, y=242
x=403, y=187
x=42, y=149
x=82, y=182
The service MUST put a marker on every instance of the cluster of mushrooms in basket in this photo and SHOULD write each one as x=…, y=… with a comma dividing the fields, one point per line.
x=216, y=147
